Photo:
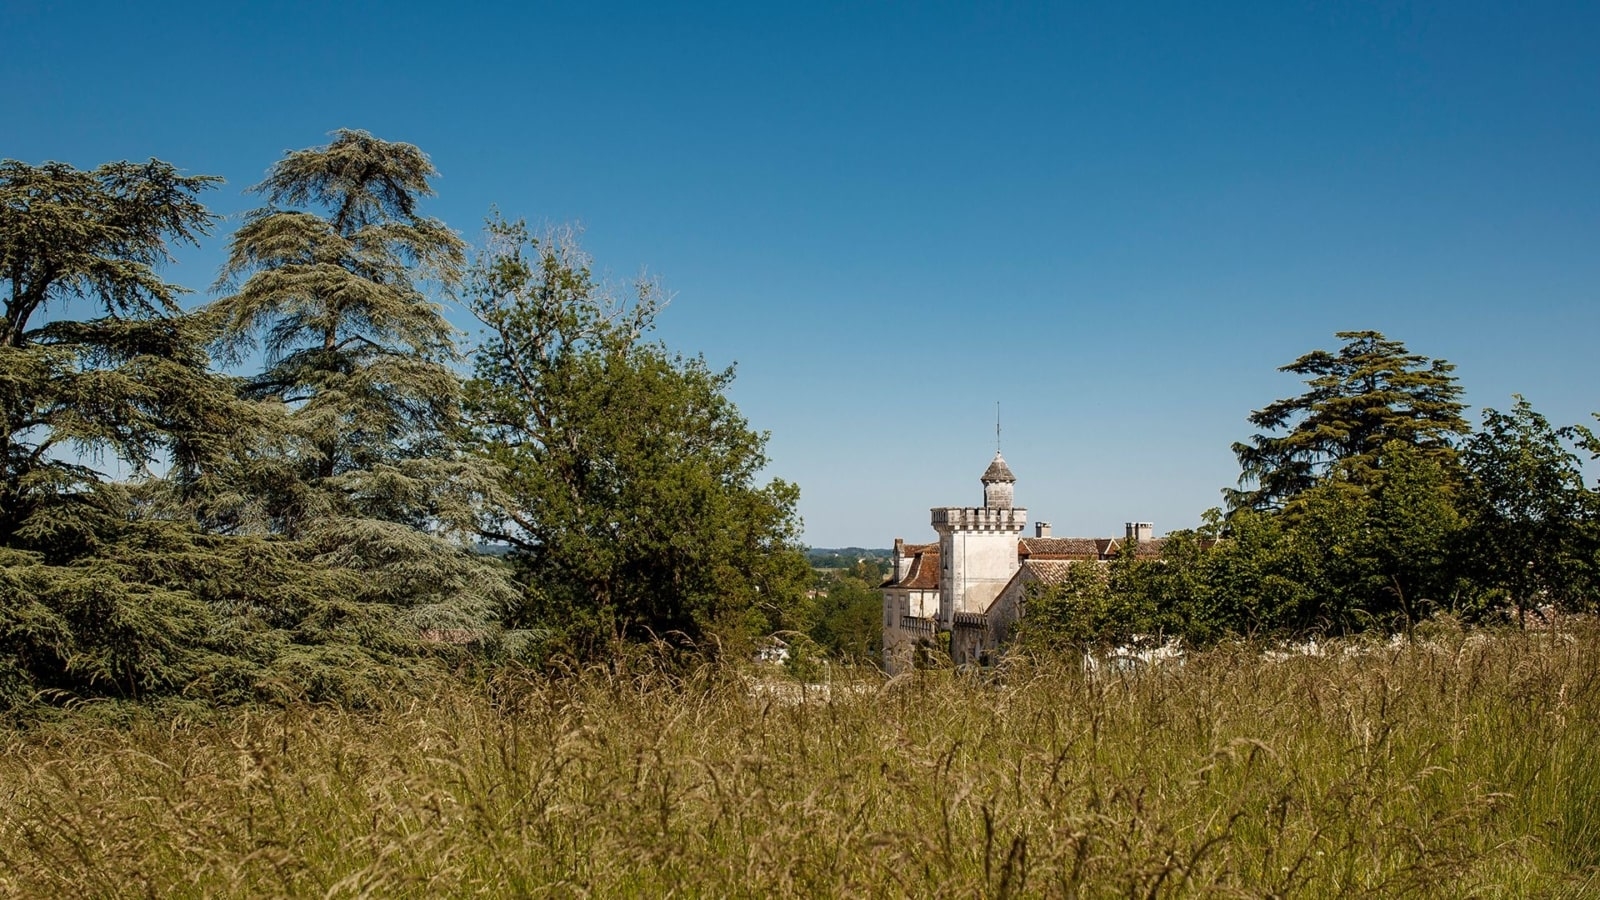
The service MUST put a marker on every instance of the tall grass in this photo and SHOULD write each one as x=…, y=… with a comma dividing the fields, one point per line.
x=1466, y=766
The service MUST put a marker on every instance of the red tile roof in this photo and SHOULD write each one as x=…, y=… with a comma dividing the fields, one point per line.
x=1059, y=548
x=1083, y=548
x=924, y=572
x=1048, y=571
x=1150, y=549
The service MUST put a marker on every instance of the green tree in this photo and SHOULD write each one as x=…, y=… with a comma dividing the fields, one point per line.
x=330, y=282
x=99, y=371
x=1531, y=538
x=335, y=298
x=847, y=611
x=1077, y=611
x=1375, y=543
x=1179, y=585
x=629, y=489
x=127, y=385
x=1416, y=521
x=1369, y=393
x=1261, y=576
x=108, y=586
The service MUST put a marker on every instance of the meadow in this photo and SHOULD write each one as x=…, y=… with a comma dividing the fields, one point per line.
x=1462, y=764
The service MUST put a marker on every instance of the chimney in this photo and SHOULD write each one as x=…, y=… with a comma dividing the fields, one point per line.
x=1141, y=531
x=1041, y=529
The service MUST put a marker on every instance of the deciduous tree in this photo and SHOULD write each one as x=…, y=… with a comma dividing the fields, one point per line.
x=1374, y=543
x=630, y=489
x=1531, y=537
x=847, y=611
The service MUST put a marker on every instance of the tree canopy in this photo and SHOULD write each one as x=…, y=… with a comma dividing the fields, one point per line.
x=99, y=372
x=1370, y=393
x=1533, y=526
x=358, y=356
x=1369, y=512
x=334, y=296
x=147, y=544
x=310, y=528
x=629, y=484
x=96, y=362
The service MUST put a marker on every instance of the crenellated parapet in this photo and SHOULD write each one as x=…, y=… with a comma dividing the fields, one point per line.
x=1009, y=520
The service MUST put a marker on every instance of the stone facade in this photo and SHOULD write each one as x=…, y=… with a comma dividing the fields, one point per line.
x=965, y=593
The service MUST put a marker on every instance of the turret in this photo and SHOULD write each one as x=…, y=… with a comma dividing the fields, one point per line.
x=998, y=484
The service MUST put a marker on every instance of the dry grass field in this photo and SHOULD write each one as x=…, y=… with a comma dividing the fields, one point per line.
x=1463, y=766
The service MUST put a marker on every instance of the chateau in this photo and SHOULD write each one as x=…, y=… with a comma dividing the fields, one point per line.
x=972, y=582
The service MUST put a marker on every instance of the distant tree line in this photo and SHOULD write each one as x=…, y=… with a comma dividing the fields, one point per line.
x=1366, y=503
x=844, y=557
x=278, y=494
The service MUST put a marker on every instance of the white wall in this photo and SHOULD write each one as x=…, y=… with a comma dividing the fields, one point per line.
x=978, y=555
x=980, y=565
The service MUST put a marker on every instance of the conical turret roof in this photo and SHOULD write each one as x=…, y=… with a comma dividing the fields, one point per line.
x=998, y=471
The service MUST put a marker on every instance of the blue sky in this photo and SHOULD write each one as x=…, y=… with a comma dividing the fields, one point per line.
x=1116, y=220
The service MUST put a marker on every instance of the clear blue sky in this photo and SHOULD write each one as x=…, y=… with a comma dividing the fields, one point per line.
x=1116, y=219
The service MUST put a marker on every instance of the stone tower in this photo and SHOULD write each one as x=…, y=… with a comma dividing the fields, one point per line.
x=978, y=545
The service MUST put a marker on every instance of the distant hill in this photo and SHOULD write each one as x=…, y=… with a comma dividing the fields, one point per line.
x=842, y=557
